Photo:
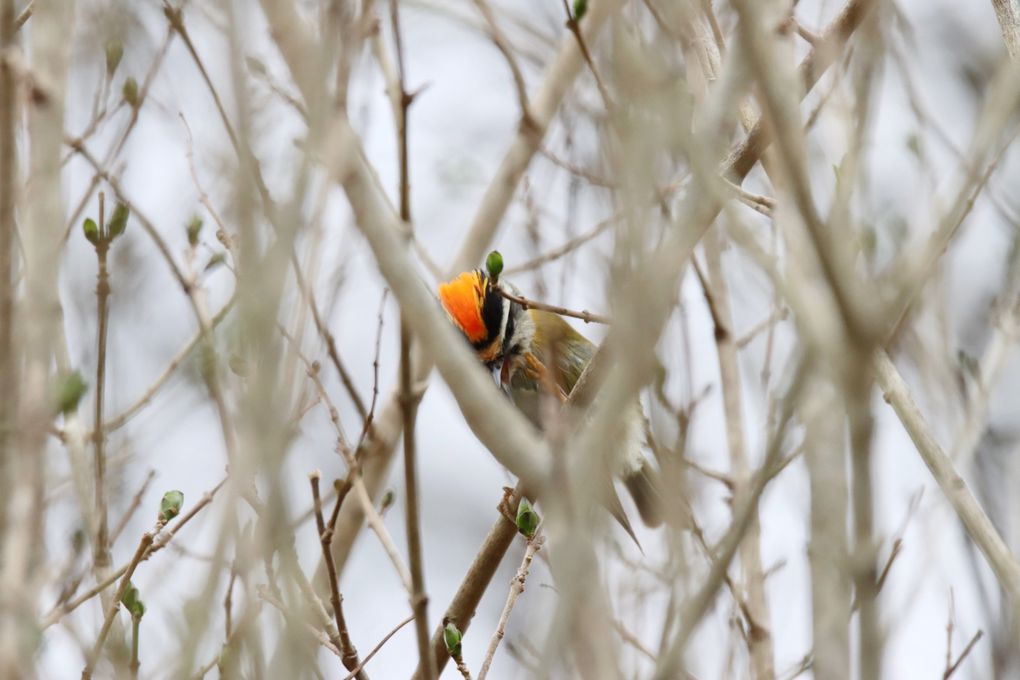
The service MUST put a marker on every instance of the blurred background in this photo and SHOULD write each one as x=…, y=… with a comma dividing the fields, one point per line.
x=907, y=94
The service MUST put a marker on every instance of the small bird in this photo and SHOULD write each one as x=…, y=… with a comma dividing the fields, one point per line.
x=536, y=352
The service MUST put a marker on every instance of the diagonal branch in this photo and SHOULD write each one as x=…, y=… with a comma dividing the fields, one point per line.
x=976, y=522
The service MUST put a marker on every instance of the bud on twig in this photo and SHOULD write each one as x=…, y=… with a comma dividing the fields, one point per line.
x=130, y=91
x=215, y=261
x=194, y=230
x=114, y=53
x=170, y=506
x=118, y=223
x=132, y=603
x=452, y=637
x=527, y=519
x=91, y=230
x=580, y=9
x=69, y=391
x=494, y=265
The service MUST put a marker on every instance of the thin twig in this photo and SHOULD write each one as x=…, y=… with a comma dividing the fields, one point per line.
x=143, y=548
x=356, y=482
x=321, y=637
x=370, y=416
x=573, y=24
x=565, y=249
x=503, y=45
x=963, y=655
x=175, y=362
x=516, y=588
x=25, y=15
x=462, y=668
x=348, y=654
x=760, y=637
x=408, y=400
x=476, y=581
x=132, y=506
x=777, y=315
x=976, y=522
x=58, y=612
x=386, y=638
x=100, y=549
x=583, y=315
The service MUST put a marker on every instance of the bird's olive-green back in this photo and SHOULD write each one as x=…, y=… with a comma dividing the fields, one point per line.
x=572, y=353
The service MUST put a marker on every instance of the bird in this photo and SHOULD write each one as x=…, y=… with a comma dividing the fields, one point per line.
x=535, y=352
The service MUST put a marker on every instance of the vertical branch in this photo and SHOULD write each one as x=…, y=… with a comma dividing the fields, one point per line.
x=134, y=665
x=408, y=400
x=8, y=184
x=759, y=636
x=100, y=550
x=830, y=587
x=857, y=388
x=26, y=461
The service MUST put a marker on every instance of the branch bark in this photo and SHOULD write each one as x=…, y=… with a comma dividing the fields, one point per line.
x=976, y=522
x=1008, y=14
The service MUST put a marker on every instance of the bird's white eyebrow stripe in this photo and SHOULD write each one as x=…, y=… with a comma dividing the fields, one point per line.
x=506, y=317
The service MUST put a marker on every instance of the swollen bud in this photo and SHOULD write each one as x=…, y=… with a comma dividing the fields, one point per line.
x=114, y=53
x=132, y=603
x=170, y=506
x=118, y=223
x=494, y=265
x=91, y=230
x=194, y=230
x=215, y=261
x=130, y=91
x=70, y=389
x=580, y=9
x=452, y=637
x=527, y=519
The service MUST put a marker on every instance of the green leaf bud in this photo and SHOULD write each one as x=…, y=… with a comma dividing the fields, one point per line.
x=170, y=506
x=494, y=265
x=132, y=602
x=71, y=387
x=194, y=230
x=130, y=91
x=114, y=53
x=215, y=261
x=91, y=230
x=527, y=519
x=452, y=637
x=118, y=223
x=580, y=9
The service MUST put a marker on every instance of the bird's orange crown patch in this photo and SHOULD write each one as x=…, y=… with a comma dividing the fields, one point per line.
x=462, y=298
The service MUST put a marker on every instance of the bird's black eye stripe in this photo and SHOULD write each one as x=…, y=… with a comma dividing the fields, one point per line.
x=492, y=313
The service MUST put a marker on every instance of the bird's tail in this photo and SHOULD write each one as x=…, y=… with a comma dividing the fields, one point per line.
x=645, y=486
